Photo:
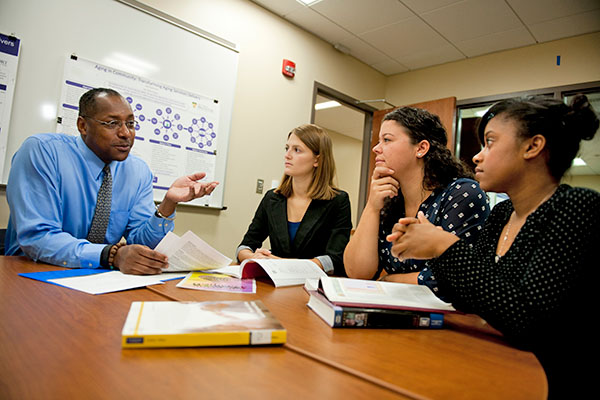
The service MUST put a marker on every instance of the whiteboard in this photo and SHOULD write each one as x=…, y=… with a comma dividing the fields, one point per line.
x=117, y=35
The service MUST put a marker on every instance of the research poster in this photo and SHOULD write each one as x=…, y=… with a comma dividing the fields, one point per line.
x=176, y=132
x=9, y=61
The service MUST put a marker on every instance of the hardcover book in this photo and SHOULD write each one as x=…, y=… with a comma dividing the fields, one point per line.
x=370, y=317
x=208, y=323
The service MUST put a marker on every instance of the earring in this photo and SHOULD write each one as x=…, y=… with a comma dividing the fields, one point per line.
x=418, y=154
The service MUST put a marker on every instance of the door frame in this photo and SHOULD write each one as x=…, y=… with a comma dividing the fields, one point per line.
x=326, y=91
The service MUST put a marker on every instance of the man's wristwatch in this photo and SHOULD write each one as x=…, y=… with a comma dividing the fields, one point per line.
x=159, y=215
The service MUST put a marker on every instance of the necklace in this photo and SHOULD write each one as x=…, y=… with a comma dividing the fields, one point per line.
x=508, y=225
x=504, y=239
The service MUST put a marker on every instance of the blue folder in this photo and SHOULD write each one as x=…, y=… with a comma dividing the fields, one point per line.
x=45, y=276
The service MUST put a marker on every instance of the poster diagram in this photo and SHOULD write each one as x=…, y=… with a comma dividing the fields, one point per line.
x=169, y=126
x=176, y=130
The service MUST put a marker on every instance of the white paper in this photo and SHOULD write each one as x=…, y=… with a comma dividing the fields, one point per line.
x=190, y=253
x=113, y=281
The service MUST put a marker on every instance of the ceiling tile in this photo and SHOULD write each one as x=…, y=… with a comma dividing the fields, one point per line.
x=363, y=51
x=389, y=67
x=495, y=42
x=567, y=26
x=534, y=11
x=427, y=57
x=360, y=16
x=404, y=38
x=280, y=7
x=317, y=24
x=420, y=6
x=472, y=18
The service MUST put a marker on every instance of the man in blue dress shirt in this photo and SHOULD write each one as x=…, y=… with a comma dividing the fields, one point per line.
x=53, y=189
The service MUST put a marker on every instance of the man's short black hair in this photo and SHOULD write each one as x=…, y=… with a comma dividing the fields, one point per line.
x=87, y=102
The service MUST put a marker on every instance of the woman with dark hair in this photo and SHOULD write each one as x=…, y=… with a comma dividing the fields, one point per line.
x=306, y=216
x=414, y=171
x=533, y=270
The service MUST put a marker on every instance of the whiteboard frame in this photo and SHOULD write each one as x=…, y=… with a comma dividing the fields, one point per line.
x=181, y=24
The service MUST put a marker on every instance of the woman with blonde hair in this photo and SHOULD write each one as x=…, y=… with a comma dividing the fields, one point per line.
x=306, y=216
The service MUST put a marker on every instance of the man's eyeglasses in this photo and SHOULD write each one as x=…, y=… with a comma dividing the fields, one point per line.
x=115, y=124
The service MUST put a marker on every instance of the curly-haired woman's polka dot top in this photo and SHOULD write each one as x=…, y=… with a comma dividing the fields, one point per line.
x=461, y=208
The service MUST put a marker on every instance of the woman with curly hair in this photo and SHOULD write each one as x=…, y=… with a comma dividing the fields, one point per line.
x=414, y=171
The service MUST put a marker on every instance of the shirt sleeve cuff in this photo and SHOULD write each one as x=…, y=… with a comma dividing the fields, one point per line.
x=90, y=255
x=326, y=263
x=240, y=248
x=162, y=225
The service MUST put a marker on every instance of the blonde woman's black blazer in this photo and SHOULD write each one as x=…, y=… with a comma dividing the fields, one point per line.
x=324, y=230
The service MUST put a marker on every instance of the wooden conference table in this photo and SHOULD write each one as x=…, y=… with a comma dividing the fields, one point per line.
x=60, y=343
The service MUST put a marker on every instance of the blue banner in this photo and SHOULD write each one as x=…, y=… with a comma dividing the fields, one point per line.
x=9, y=45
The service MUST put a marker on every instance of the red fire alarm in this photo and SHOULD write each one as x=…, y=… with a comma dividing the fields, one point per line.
x=289, y=68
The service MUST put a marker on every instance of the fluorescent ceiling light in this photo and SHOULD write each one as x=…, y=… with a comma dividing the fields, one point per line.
x=578, y=162
x=327, y=104
x=481, y=113
x=308, y=2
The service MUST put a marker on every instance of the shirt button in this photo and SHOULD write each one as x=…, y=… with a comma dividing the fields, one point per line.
x=64, y=263
x=90, y=264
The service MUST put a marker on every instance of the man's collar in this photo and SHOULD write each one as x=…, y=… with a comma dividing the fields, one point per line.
x=95, y=164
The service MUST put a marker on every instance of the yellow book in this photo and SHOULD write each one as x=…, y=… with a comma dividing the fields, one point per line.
x=207, y=323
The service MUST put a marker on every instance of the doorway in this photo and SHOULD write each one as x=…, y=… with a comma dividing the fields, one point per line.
x=348, y=123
